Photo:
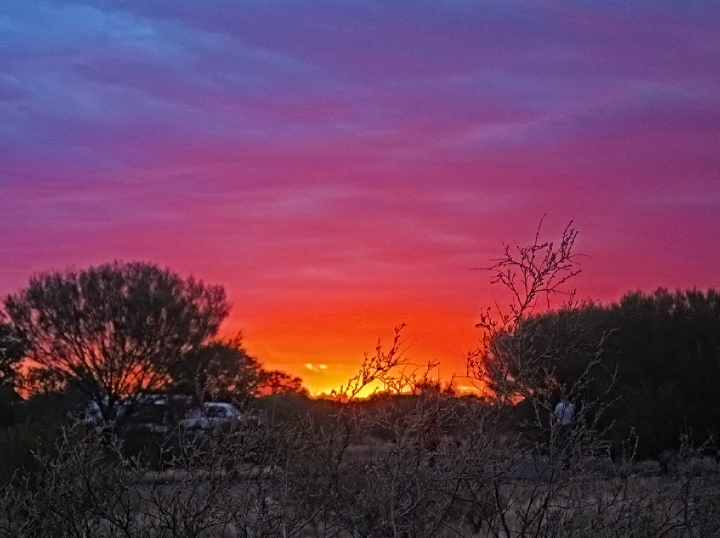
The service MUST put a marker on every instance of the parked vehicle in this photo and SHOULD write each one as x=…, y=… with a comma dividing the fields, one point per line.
x=92, y=416
x=155, y=412
x=214, y=415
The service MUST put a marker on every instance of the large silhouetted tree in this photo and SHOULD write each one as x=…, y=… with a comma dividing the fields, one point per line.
x=528, y=347
x=664, y=348
x=667, y=350
x=115, y=330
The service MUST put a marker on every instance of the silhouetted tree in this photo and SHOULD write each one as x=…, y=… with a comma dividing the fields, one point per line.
x=217, y=371
x=114, y=331
x=667, y=350
x=663, y=346
x=223, y=370
x=277, y=382
x=11, y=351
x=530, y=351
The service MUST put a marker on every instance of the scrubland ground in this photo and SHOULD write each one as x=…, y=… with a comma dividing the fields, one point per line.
x=421, y=466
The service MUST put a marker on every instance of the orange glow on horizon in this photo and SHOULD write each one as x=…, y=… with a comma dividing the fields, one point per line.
x=326, y=350
x=339, y=183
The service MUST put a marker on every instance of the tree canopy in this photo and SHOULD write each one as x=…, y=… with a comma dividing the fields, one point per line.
x=522, y=352
x=664, y=351
x=11, y=351
x=115, y=330
x=666, y=346
x=220, y=370
x=223, y=370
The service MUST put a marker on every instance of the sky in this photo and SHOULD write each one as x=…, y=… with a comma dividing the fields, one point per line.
x=342, y=167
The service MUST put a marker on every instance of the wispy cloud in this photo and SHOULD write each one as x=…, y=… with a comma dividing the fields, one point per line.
x=323, y=153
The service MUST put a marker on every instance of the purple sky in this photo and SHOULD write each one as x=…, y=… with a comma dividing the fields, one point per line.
x=340, y=166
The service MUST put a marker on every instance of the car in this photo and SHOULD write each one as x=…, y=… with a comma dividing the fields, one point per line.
x=92, y=416
x=214, y=415
x=157, y=413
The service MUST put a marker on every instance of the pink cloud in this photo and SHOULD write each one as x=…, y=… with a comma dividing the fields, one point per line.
x=341, y=168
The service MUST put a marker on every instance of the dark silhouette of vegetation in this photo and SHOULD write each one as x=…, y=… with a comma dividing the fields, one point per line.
x=278, y=382
x=415, y=459
x=224, y=371
x=529, y=351
x=654, y=357
x=667, y=350
x=665, y=347
x=11, y=352
x=217, y=371
x=116, y=330
x=420, y=463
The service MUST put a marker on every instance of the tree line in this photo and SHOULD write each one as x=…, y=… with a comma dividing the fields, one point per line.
x=414, y=460
x=115, y=333
x=661, y=350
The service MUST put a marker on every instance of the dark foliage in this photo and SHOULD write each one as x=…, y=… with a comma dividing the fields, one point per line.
x=665, y=349
x=12, y=349
x=217, y=371
x=115, y=330
x=224, y=371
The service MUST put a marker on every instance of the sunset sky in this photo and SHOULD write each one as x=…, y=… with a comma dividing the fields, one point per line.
x=342, y=167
